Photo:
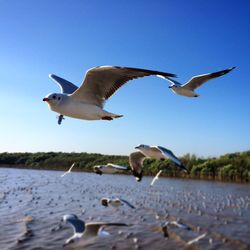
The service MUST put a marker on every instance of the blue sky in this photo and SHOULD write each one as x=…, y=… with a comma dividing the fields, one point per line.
x=183, y=37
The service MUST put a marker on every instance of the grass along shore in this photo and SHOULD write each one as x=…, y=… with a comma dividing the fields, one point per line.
x=229, y=167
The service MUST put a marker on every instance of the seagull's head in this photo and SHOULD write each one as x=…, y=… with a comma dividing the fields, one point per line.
x=105, y=202
x=97, y=169
x=172, y=86
x=53, y=98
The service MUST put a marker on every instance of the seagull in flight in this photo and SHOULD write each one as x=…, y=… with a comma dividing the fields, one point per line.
x=136, y=159
x=115, y=202
x=69, y=171
x=155, y=178
x=187, y=89
x=110, y=168
x=85, y=230
x=100, y=83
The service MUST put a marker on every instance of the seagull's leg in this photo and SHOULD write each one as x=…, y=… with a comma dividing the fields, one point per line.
x=60, y=118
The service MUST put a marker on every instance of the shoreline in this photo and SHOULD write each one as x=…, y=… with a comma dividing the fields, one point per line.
x=216, y=179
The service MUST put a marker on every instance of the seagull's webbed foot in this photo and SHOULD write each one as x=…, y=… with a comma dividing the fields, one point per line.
x=60, y=118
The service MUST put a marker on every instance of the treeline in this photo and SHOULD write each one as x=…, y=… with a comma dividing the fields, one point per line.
x=229, y=167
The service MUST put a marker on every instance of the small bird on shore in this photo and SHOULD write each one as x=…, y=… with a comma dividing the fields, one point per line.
x=109, y=169
x=136, y=159
x=84, y=230
x=115, y=202
x=155, y=178
x=69, y=171
x=99, y=84
x=187, y=89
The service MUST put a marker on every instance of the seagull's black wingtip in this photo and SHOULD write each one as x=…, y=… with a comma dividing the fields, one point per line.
x=171, y=75
x=184, y=168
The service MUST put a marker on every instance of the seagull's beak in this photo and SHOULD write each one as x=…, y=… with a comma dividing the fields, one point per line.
x=170, y=87
x=136, y=147
x=46, y=99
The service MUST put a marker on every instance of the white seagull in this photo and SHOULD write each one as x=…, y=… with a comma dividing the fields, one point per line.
x=99, y=84
x=155, y=178
x=115, y=202
x=86, y=230
x=109, y=169
x=69, y=171
x=155, y=152
x=188, y=88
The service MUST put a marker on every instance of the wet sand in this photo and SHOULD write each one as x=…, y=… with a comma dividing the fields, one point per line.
x=33, y=202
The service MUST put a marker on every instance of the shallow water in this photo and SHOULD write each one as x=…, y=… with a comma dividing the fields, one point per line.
x=32, y=203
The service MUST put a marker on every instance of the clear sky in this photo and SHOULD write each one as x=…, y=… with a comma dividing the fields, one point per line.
x=183, y=37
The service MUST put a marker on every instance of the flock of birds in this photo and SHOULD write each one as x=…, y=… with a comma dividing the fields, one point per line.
x=100, y=83
x=87, y=103
x=137, y=158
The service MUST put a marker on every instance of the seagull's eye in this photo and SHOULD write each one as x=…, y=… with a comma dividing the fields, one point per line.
x=54, y=97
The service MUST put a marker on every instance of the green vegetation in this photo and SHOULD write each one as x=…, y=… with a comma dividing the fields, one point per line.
x=229, y=167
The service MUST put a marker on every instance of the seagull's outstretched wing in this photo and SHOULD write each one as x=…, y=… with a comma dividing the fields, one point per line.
x=196, y=239
x=64, y=174
x=67, y=172
x=118, y=167
x=66, y=86
x=179, y=225
x=71, y=167
x=168, y=153
x=155, y=178
x=77, y=225
x=100, y=83
x=136, y=163
x=92, y=228
x=127, y=203
x=197, y=81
